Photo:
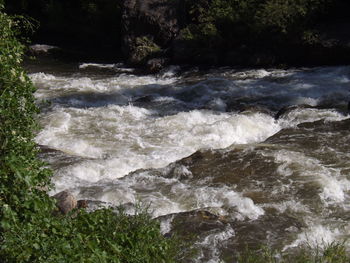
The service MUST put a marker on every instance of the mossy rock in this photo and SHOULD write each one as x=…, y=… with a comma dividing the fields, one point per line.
x=144, y=49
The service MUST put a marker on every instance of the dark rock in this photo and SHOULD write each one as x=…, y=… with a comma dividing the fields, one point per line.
x=236, y=57
x=195, y=222
x=333, y=46
x=56, y=158
x=158, y=20
x=248, y=108
x=144, y=99
x=156, y=64
x=244, y=56
x=186, y=51
x=65, y=202
x=82, y=204
x=228, y=168
x=288, y=109
x=181, y=51
x=142, y=49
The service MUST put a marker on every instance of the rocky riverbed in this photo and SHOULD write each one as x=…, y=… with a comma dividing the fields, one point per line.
x=224, y=157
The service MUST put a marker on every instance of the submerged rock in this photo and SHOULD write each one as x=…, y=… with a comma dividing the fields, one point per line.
x=208, y=233
x=156, y=64
x=196, y=222
x=286, y=110
x=236, y=106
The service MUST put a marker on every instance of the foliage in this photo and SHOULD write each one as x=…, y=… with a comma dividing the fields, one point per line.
x=101, y=236
x=29, y=230
x=259, y=25
x=144, y=49
x=22, y=175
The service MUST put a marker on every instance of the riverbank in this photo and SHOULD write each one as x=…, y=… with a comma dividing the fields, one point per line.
x=154, y=33
x=30, y=228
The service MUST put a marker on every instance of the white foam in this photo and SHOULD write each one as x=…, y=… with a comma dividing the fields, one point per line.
x=301, y=115
x=255, y=73
x=133, y=138
x=211, y=245
x=42, y=78
x=170, y=71
x=316, y=236
x=290, y=205
x=164, y=195
x=42, y=48
x=330, y=180
x=95, y=65
x=166, y=225
x=119, y=67
x=51, y=86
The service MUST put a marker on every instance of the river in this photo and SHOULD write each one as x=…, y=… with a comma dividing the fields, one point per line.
x=209, y=152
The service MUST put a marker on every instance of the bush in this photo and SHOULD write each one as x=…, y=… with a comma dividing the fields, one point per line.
x=257, y=24
x=101, y=236
x=29, y=232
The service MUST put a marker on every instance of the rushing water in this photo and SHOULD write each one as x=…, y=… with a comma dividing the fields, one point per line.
x=208, y=151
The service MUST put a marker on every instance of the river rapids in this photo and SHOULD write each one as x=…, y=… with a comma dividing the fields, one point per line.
x=230, y=157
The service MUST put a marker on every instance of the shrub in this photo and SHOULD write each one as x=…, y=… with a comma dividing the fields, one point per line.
x=254, y=23
x=101, y=236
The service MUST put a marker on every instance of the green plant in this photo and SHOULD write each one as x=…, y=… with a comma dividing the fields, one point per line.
x=101, y=236
x=256, y=24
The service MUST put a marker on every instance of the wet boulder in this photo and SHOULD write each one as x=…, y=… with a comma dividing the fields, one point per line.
x=144, y=99
x=195, y=222
x=65, y=202
x=286, y=110
x=155, y=65
x=82, y=204
x=143, y=48
x=158, y=21
x=248, y=108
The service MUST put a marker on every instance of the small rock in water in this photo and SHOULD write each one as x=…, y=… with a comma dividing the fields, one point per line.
x=144, y=99
x=285, y=110
x=82, y=204
x=66, y=202
x=196, y=222
x=155, y=65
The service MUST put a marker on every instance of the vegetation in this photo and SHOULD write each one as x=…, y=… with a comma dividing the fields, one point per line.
x=29, y=232
x=144, y=49
x=253, y=26
x=238, y=32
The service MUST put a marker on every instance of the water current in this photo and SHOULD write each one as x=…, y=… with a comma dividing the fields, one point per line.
x=230, y=157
